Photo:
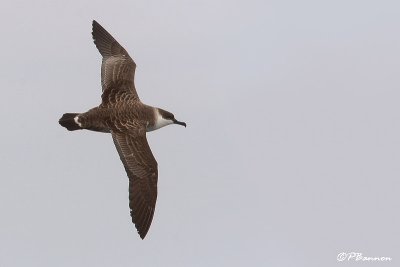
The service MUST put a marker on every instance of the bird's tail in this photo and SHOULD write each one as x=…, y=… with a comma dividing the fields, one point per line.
x=70, y=121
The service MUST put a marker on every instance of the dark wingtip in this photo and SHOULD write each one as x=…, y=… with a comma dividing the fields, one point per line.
x=142, y=232
x=142, y=236
x=95, y=24
x=142, y=229
x=142, y=224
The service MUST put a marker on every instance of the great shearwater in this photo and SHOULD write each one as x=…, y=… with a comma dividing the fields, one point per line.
x=122, y=114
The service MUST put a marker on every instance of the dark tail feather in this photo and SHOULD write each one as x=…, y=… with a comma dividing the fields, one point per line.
x=68, y=121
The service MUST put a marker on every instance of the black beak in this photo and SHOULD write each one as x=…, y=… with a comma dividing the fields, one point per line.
x=179, y=122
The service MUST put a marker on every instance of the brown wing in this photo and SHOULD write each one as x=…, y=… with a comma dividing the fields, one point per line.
x=141, y=168
x=117, y=68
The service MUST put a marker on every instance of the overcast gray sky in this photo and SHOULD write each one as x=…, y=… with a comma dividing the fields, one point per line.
x=291, y=154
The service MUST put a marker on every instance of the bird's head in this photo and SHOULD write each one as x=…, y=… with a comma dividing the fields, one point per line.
x=164, y=118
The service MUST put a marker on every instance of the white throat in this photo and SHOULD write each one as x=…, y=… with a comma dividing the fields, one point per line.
x=160, y=122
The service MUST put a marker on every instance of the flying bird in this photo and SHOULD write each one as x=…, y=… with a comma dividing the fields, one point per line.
x=122, y=114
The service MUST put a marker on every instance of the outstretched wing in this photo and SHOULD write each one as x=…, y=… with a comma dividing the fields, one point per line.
x=141, y=167
x=117, y=68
